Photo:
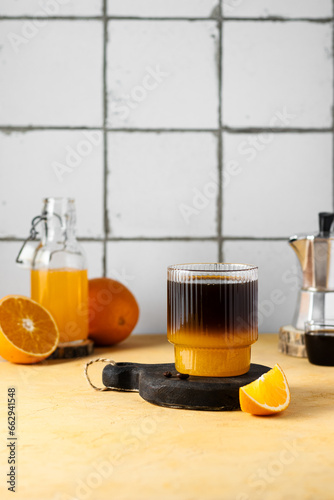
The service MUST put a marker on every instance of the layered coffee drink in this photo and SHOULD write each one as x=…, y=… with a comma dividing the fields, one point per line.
x=212, y=317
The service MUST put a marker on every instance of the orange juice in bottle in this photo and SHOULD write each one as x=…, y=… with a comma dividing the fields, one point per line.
x=59, y=279
x=64, y=293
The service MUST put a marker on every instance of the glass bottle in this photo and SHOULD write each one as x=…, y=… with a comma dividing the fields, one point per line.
x=59, y=279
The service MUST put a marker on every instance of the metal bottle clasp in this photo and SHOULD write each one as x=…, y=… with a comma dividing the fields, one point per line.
x=34, y=233
x=32, y=236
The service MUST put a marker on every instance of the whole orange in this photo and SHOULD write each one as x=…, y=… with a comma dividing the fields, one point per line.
x=113, y=311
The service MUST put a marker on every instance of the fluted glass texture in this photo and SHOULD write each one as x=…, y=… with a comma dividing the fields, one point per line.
x=212, y=306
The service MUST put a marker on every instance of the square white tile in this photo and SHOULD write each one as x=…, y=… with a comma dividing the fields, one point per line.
x=274, y=67
x=142, y=267
x=57, y=8
x=161, y=8
x=41, y=164
x=51, y=74
x=162, y=74
x=278, y=184
x=279, y=278
x=162, y=185
x=279, y=8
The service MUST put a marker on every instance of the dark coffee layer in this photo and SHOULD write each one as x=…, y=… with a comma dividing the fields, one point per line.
x=212, y=308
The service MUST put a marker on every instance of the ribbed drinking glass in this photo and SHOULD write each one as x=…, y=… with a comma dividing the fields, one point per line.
x=212, y=317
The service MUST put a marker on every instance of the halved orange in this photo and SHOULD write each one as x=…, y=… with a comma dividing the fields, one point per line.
x=268, y=394
x=28, y=333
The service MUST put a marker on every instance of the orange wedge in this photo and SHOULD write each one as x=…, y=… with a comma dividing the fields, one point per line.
x=267, y=395
x=28, y=333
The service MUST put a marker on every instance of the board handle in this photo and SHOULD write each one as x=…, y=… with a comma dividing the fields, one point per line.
x=123, y=376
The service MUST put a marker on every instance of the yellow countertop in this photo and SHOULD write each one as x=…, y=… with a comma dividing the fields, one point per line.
x=74, y=443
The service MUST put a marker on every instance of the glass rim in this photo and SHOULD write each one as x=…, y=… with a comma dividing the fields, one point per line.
x=324, y=323
x=330, y=333
x=201, y=267
x=68, y=199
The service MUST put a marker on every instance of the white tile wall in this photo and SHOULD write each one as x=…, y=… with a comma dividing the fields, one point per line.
x=270, y=67
x=278, y=278
x=279, y=184
x=168, y=201
x=281, y=8
x=163, y=8
x=43, y=70
x=162, y=74
x=39, y=164
x=165, y=127
x=142, y=266
x=50, y=8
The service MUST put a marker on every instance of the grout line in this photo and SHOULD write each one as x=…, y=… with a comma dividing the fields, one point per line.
x=51, y=18
x=201, y=238
x=286, y=130
x=162, y=130
x=232, y=130
x=105, y=139
x=279, y=19
x=195, y=238
x=165, y=238
x=31, y=128
x=106, y=18
x=220, y=142
x=13, y=239
x=256, y=238
x=171, y=18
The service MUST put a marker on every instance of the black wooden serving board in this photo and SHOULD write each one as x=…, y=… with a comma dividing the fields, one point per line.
x=193, y=393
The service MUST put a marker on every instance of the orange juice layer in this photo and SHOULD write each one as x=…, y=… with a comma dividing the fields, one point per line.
x=64, y=293
x=203, y=362
x=212, y=353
